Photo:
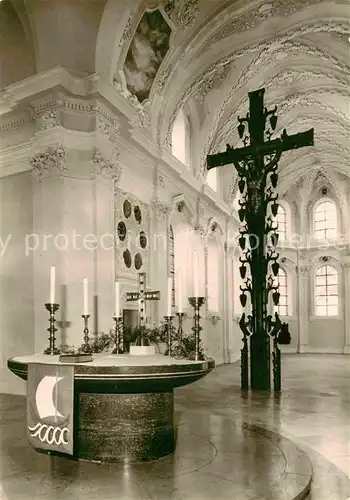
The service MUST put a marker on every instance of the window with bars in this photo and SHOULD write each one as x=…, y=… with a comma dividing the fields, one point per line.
x=326, y=291
x=282, y=280
x=325, y=220
x=171, y=258
x=281, y=220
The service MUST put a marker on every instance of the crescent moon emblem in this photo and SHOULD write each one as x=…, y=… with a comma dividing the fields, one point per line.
x=44, y=397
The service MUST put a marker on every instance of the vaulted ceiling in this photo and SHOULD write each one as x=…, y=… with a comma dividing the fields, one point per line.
x=217, y=52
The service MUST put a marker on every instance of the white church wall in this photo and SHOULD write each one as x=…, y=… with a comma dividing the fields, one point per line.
x=17, y=295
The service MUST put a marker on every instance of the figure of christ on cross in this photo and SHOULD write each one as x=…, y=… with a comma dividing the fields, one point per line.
x=254, y=163
x=142, y=296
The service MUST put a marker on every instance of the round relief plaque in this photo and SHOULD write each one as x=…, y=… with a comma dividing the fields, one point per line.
x=137, y=213
x=127, y=258
x=143, y=239
x=127, y=208
x=121, y=228
x=138, y=261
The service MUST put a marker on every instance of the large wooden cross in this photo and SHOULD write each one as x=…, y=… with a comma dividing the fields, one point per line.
x=256, y=163
x=141, y=296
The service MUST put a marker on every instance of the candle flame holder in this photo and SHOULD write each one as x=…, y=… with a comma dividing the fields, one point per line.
x=52, y=308
x=196, y=303
x=118, y=338
x=86, y=347
x=169, y=320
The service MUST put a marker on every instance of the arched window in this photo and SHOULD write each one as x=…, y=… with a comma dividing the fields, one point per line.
x=281, y=220
x=213, y=275
x=326, y=291
x=325, y=220
x=212, y=179
x=171, y=261
x=282, y=280
x=180, y=138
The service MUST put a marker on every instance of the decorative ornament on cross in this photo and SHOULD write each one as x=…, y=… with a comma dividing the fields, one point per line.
x=256, y=163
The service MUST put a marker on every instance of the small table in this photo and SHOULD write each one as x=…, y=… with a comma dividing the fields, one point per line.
x=124, y=405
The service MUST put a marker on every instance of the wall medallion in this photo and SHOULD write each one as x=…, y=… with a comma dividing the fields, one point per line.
x=121, y=231
x=138, y=261
x=137, y=213
x=143, y=240
x=127, y=208
x=127, y=258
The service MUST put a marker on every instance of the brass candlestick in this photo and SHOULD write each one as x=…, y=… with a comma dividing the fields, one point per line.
x=169, y=320
x=180, y=331
x=52, y=350
x=86, y=348
x=196, y=302
x=118, y=338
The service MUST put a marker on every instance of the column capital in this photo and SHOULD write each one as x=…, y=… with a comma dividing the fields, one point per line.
x=52, y=158
x=106, y=168
x=160, y=209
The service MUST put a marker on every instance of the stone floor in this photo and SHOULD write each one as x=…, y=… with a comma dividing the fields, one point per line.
x=230, y=445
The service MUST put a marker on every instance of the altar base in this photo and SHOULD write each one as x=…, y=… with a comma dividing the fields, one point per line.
x=125, y=428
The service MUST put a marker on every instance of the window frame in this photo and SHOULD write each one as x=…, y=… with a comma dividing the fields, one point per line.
x=317, y=204
x=338, y=295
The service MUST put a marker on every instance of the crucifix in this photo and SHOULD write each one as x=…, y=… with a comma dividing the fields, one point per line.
x=255, y=162
x=142, y=296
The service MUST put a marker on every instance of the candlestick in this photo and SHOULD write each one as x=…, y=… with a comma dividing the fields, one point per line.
x=117, y=299
x=85, y=297
x=86, y=348
x=52, y=284
x=52, y=308
x=179, y=292
x=196, y=302
x=170, y=289
x=180, y=316
x=118, y=338
x=196, y=273
x=169, y=320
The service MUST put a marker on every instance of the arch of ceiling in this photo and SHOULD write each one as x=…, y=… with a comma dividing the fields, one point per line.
x=182, y=84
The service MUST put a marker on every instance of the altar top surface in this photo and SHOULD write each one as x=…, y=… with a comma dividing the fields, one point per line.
x=109, y=360
x=141, y=373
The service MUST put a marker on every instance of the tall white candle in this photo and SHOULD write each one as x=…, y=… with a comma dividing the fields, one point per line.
x=170, y=287
x=196, y=273
x=179, y=292
x=52, y=284
x=85, y=297
x=117, y=299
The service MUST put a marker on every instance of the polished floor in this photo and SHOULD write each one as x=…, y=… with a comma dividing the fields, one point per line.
x=230, y=445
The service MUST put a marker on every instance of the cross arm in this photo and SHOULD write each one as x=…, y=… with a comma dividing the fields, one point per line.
x=152, y=295
x=131, y=296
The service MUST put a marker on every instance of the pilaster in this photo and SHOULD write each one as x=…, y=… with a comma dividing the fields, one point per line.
x=303, y=271
x=346, y=348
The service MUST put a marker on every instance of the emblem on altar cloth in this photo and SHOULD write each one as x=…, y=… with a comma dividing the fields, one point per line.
x=50, y=407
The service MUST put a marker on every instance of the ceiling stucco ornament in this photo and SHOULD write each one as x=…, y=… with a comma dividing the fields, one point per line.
x=128, y=30
x=110, y=169
x=211, y=82
x=258, y=14
x=142, y=119
x=263, y=49
x=184, y=13
x=52, y=158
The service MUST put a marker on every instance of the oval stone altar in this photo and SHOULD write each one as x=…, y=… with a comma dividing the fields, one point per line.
x=123, y=404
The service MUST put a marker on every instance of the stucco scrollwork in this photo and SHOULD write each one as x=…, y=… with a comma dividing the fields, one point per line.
x=49, y=119
x=127, y=33
x=110, y=169
x=52, y=158
x=161, y=210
